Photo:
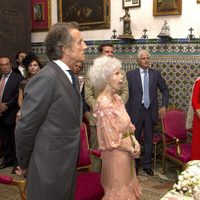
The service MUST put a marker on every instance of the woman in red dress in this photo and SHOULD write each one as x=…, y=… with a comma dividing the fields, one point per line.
x=195, y=152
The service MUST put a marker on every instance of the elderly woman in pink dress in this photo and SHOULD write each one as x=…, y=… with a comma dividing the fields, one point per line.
x=115, y=133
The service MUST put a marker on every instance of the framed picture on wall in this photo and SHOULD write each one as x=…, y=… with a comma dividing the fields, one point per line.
x=41, y=15
x=198, y=1
x=90, y=14
x=130, y=3
x=38, y=11
x=166, y=7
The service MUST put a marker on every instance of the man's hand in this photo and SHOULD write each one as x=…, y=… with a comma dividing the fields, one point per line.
x=19, y=171
x=3, y=107
x=162, y=112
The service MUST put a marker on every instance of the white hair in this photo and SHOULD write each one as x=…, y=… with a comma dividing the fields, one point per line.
x=141, y=53
x=101, y=70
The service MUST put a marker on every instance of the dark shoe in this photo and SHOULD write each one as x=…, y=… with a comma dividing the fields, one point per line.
x=4, y=165
x=149, y=171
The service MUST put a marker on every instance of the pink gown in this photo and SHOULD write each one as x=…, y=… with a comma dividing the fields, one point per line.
x=118, y=176
x=195, y=150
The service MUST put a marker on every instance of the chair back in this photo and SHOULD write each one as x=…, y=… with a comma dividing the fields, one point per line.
x=88, y=184
x=84, y=155
x=21, y=184
x=175, y=145
x=174, y=123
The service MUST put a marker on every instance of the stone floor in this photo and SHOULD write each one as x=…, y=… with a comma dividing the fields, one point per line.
x=153, y=187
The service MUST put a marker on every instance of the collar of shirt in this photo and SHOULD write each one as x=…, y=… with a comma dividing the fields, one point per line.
x=7, y=76
x=81, y=80
x=22, y=70
x=64, y=68
x=142, y=70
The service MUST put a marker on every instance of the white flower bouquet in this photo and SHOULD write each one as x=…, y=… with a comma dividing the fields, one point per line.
x=189, y=181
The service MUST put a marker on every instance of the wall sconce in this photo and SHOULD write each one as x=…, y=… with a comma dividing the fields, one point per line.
x=145, y=36
x=114, y=36
x=191, y=36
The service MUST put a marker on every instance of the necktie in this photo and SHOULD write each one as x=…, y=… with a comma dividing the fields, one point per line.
x=73, y=78
x=2, y=85
x=146, y=90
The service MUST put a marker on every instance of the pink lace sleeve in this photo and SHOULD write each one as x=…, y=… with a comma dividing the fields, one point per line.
x=107, y=130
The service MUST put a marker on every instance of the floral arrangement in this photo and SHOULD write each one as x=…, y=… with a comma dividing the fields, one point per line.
x=189, y=180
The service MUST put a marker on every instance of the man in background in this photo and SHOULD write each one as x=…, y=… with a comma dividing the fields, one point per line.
x=90, y=98
x=9, y=85
x=20, y=67
x=142, y=104
x=81, y=79
x=48, y=131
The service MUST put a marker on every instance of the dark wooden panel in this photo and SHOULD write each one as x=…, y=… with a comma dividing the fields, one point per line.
x=15, y=26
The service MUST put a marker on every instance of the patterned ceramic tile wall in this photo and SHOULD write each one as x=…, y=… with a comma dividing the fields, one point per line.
x=179, y=62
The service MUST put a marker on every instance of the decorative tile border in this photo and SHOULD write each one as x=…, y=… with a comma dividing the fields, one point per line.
x=178, y=61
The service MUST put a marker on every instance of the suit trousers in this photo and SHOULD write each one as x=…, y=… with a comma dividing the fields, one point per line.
x=96, y=161
x=8, y=142
x=145, y=124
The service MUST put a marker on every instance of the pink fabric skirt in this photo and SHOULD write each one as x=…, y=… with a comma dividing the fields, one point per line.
x=118, y=176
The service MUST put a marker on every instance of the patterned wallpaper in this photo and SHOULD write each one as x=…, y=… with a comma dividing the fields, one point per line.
x=178, y=61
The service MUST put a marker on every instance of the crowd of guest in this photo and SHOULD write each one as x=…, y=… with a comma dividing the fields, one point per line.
x=12, y=84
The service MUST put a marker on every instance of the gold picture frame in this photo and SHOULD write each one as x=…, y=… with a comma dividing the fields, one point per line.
x=198, y=1
x=41, y=15
x=90, y=14
x=38, y=11
x=164, y=7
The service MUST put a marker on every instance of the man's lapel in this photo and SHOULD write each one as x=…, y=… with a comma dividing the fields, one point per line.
x=150, y=78
x=74, y=96
x=138, y=80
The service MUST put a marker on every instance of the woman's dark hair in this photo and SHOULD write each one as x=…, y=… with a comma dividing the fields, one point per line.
x=29, y=59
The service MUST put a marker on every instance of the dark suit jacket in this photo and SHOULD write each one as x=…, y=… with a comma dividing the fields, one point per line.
x=134, y=103
x=16, y=70
x=85, y=106
x=48, y=134
x=10, y=96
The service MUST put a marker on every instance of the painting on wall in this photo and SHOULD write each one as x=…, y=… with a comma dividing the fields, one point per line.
x=198, y=1
x=130, y=3
x=90, y=14
x=41, y=15
x=38, y=11
x=167, y=7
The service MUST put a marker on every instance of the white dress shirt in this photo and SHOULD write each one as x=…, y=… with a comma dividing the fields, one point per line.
x=65, y=68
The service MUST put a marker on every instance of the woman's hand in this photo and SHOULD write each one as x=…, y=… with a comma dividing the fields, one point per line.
x=135, y=152
x=132, y=127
